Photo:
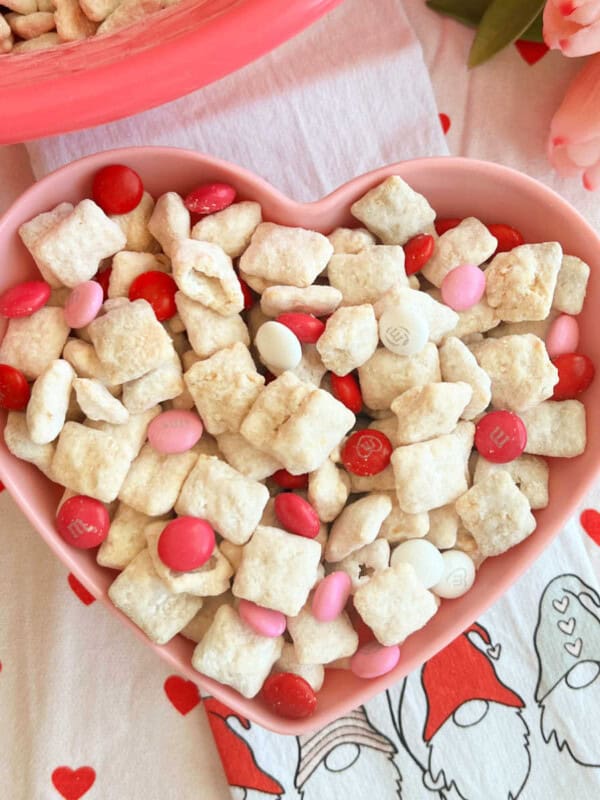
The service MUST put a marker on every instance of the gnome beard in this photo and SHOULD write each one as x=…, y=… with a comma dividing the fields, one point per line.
x=480, y=728
x=570, y=713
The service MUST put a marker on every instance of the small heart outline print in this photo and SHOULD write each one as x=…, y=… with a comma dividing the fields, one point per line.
x=495, y=651
x=73, y=783
x=567, y=626
x=574, y=648
x=561, y=605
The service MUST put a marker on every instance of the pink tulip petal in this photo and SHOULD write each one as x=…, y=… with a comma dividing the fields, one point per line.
x=557, y=27
x=578, y=117
x=559, y=158
x=586, y=13
x=584, y=42
x=591, y=177
x=574, y=141
x=566, y=8
x=585, y=154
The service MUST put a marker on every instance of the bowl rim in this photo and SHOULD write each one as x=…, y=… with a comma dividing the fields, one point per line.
x=83, y=98
x=360, y=183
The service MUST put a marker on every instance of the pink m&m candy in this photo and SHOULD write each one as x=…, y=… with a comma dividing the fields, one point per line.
x=463, y=287
x=83, y=522
x=186, y=543
x=83, y=304
x=174, y=431
x=562, y=336
x=331, y=595
x=262, y=620
x=25, y=299
x=500, y=436
x=374, y=659
x=297, y=515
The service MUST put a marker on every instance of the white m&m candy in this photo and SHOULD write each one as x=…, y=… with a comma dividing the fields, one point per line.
x=278, y=347
x=458, y=577
x=403, y=330
x=424, y=557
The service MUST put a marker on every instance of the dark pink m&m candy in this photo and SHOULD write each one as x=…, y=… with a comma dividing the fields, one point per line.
x=24, y=299
x=186, y=543
x=297, y=515
x=500, y=436
x=210, y=198
x=83, y=522
x=289, y=695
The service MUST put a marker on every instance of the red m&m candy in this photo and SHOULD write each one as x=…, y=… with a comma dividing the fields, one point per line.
x=297, y=515
x=247, y=293
x=345, y=388
x=209, y=198
x=307, y=328
x=500, y=436
x=14, y=389
x=417, y=252
x=103, y=278
x=117, y=189
x=83, y=522
x=289, y=695
x=186, y=543
x=575, y=373
x=159, y=290
x=446, y=224
x=508, y=237
x=286, y=480
x=24, y=299
x=367, y=452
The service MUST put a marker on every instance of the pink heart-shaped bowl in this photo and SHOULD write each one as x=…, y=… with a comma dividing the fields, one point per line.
x=455, y=187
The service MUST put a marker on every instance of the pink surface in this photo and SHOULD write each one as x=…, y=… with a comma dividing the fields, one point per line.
x=455, y=187
x=160, y=58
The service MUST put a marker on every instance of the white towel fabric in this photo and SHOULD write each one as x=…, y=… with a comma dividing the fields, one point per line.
x=87, y=708
x=346, y=96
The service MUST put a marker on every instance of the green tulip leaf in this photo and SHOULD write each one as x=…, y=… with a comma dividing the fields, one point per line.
x=469, y=12
x=503, y=22
x=534, y=31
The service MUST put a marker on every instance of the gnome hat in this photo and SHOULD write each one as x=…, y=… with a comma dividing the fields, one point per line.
x=354, y=728
x=567, y=632
x=458, y=673
x=236, y=755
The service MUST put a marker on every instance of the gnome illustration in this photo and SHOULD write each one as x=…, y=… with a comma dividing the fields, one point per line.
x=476, y=737
x=567, y=643
x=349, y=758
x=247, y=780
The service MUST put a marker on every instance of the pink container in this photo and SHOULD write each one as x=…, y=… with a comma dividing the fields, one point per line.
x=165, y=56
x=455, y=187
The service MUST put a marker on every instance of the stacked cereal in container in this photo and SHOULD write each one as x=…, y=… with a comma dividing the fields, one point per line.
x=32, y=25
x=273, y=478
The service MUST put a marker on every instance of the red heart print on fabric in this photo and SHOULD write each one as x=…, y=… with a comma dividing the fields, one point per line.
x=184, y=695
x=531, y=52
x=87, y=598
x=590, y=522
x=445, y=122
x=73, y=783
